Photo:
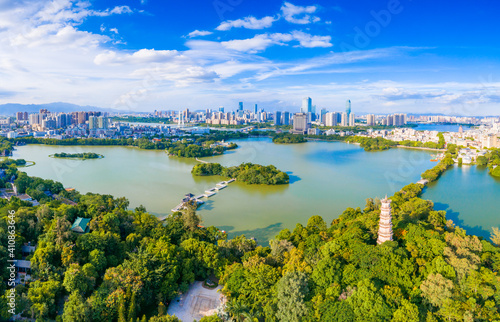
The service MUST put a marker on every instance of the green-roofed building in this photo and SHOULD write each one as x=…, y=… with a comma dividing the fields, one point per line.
x=81, y=225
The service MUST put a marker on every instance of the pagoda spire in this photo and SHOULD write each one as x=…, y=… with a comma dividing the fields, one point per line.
x=385, y=223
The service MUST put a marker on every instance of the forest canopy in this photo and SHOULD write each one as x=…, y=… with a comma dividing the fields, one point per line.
x=246, y=172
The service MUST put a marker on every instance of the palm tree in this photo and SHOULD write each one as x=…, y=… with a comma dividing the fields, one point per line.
x=236, y=310
x=251, y=316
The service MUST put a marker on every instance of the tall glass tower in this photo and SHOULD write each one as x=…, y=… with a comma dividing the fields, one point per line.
x=348, y=108
x=306, y=105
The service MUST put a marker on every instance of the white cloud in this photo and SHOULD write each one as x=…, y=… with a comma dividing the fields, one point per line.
x=197, y=33
x=114, y=30
x=310, y=41
x=261, y=42
x=299, y=14
x=181, y=74
x=248, y=23
x=141, y=56
x=255, y=44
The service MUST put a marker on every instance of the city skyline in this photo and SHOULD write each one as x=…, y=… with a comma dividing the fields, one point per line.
x=270, y=54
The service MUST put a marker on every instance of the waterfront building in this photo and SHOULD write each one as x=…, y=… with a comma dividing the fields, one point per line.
x=313, y=131
x=300, y=123
x=385, y=223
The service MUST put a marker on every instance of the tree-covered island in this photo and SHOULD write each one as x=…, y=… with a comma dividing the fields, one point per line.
x=287, y=138
x=83, y=156
x=246, y=172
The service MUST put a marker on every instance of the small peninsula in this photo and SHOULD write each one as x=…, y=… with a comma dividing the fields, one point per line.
x=246, y=172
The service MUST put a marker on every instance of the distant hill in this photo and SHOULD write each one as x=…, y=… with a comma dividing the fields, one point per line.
x=12, y=108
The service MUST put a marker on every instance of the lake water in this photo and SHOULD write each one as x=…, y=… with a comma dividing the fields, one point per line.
x=440, y=127
x=326, y=178
x=470, y=197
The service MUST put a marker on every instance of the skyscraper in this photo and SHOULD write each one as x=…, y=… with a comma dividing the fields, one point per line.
x=306, y=105
x=348, y=107
x=240, y=107
x=221, y=109
x=255, y=109
x=277, y=118
x=286, y=118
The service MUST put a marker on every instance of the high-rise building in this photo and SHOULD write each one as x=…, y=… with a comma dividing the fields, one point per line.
x=300, y=123
x=186, y=114
x=93, y=122
x=286, y=118
x=322, y=114
x=221, y=109
x=352, y=119
x=306, y=105
x=331, y=119
x=34, y=119
x=255, y=109
x=370, y=120
x=240, y=107
x=102, y=122
x=277, y=118
x=385, y=223
x=49, y=124
x=345, y=119
x=348, y=107
x=82, y=117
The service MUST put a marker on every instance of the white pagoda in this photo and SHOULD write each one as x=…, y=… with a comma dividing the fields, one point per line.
x=385, y=223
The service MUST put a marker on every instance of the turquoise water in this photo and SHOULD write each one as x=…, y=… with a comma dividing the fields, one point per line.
x=440, y=127
x=326, y=178
x=470, y=196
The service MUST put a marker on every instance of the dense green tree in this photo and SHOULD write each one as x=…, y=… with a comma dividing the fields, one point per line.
x=293, y=291
x=76, y=309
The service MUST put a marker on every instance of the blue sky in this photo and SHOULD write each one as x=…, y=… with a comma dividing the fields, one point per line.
x=386, y=56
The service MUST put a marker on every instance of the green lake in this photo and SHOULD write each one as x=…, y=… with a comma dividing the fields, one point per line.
x=326, y=178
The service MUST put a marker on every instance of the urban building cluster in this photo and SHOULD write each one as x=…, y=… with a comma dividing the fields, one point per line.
x=81, y=125
x=484, y=136
x=306, y=121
